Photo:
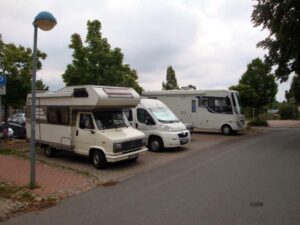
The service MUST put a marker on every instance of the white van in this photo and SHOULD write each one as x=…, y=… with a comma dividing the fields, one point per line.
x=207, y=110
x=160, y=125
x=87, y=120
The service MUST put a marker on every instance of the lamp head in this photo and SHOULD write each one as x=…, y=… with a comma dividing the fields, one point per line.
x=45, y=21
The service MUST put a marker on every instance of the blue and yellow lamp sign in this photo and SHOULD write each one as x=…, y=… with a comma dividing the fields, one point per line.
x=2, y=84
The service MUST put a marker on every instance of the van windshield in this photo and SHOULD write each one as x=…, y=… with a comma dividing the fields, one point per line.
x=164, y=114
x=110, y=119
x=236, y=102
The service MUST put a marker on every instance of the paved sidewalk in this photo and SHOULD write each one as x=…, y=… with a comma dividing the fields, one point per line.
x=284, y=123
x=51, y=181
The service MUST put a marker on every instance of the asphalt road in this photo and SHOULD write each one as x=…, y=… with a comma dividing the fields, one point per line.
x=253, y=181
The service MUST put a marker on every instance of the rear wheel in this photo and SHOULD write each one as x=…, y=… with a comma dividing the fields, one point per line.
x=98, y=159
x=226, y=130
x=49, y=151
x=155, y=144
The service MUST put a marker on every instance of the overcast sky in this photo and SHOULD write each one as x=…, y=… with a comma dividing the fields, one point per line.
x=208, y=42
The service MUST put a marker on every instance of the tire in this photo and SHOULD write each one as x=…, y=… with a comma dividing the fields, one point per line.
x=98, y=159
x=49, y=151
x=226, y=130
x=155, y=144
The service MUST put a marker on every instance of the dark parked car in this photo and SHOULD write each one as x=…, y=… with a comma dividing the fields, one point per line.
x=17, y=123
x=6, y=131
x=19, y=130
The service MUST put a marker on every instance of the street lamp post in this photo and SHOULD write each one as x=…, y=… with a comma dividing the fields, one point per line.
x=45, y=21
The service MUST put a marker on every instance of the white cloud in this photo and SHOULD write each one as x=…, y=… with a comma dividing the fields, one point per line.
x=208, y=43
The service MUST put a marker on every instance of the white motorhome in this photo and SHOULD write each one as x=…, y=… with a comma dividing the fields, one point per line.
x=161, y=127
x=87, y=120
x=204, y=109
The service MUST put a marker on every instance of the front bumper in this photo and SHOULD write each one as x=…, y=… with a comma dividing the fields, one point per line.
x=125, y=156
x=173, y=139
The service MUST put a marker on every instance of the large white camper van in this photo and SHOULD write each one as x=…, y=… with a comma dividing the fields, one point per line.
x=87, y=120
x=204, y=109
x=161, y=127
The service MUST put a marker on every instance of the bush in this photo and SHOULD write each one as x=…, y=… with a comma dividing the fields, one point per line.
x=260, y=123
x=269, y=116
x=287, y=111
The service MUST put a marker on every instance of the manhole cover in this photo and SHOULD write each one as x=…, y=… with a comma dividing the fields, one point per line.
x=256, y=204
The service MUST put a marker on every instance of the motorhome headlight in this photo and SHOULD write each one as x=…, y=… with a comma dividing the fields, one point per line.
x=117, y=146
x=166, y=128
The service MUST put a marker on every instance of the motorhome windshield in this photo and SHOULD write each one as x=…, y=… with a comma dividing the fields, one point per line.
x=236, y=103
x=164, y=114
x=110, y=119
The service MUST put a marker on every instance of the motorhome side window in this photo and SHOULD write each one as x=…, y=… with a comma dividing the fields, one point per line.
x=216, y=104
x=143, y=116
x=57, y=115
x=86, y=121
x=193, y=106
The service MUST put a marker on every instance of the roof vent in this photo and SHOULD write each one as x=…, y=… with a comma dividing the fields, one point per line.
x=80, y=93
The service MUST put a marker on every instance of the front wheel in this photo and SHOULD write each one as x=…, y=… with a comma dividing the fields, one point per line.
x=98, y=159
x=155, y=144
x=226, y=130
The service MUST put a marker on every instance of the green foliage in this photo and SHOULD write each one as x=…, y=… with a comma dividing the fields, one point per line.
x=288, y=111
x=18, y=153
x=16, y=65
x=293, y=95
x=19, y=193
x=171, y=81
x=247, y=94
x=189, y=87
x=96, y=63
x=40, y=86
x=257, y=86
x=269, y=116
x=281, y=18
x=258, y=123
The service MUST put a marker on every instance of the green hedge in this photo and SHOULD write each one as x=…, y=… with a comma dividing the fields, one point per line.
x=259, y=123
x=288, y=111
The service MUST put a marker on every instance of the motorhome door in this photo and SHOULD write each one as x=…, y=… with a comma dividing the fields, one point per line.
x=84, y=133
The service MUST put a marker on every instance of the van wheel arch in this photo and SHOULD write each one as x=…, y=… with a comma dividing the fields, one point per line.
x=98, y=158
x=155, y=143
x=226, y=129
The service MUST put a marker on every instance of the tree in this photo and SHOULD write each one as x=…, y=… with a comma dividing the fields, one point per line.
x=16, y=65
x=257, y=86
x=247, y=94
x=96, y=63
x=40, y=86
x=171, y=81
x=282, y=19
x=294, y=91
x=189, y=87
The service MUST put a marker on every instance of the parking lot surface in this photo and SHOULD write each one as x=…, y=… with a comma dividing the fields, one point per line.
x=116, y=172
x=68, y=174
